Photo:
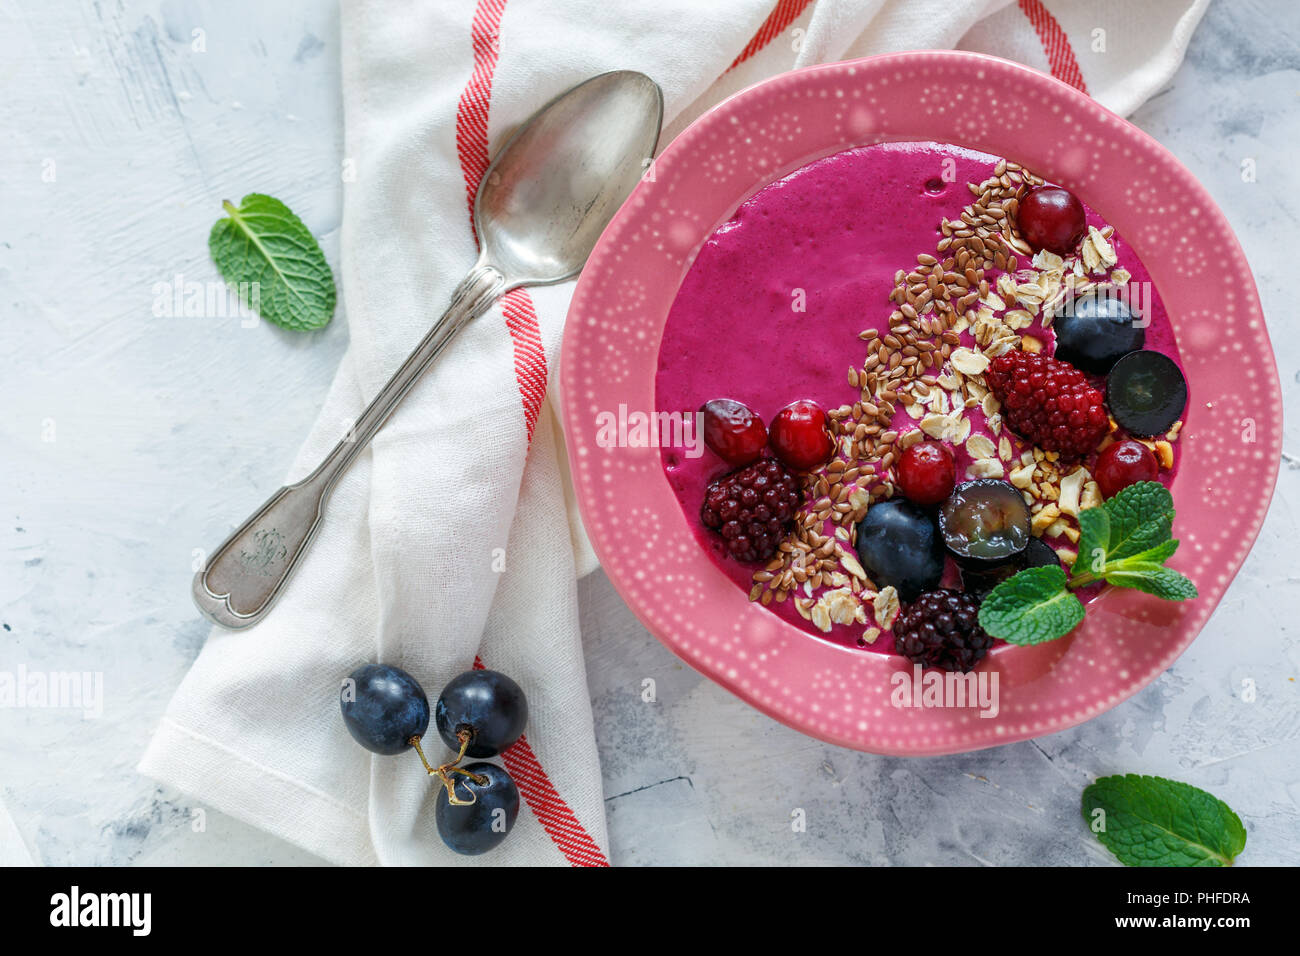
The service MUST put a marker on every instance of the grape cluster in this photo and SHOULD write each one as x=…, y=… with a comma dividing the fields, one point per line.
x=479, y=714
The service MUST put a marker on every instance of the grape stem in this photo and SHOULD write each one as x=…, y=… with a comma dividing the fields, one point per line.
x=444, y=771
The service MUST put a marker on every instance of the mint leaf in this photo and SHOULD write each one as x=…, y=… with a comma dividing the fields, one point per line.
x=1151, y=821
x=1141, y=516
x=1153, y=579
x=1126, y=541
x=1031, y=607
x=1157, y=555
x=1094, y=542
x=272, y=260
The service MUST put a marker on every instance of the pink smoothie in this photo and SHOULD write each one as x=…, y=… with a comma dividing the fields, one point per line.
x=828, y=237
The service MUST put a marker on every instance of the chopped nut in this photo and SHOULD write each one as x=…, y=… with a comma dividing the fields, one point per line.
x=1056, y=528
x=1044, y=518
x=1023, y=476
x=1071, y=489
x=1030, y=343
x=871, y=635
x=1165, y=452
x=1091, y=496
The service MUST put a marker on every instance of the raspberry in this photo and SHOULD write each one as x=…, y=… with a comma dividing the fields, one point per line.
x=752, y=509
x=941, y=629
x=1049, y=402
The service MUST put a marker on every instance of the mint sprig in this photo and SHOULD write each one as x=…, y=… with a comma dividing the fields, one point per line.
x=268, y=255
x=1124, y=542
x=1151, y=821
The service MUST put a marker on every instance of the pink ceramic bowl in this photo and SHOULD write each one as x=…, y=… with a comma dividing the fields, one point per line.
x=617, y=318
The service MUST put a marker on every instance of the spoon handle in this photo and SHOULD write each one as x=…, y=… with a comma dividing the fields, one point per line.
x=242, y=578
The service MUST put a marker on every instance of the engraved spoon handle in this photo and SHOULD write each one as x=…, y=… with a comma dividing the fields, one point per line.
x=242, y=578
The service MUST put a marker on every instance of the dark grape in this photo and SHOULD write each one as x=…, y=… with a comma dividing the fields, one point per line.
x=477, y=828
x=384, y=707
x=489, y=705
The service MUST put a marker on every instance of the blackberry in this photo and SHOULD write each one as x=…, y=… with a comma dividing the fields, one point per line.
x=752, y=509
x=1049, y=402
x=941, y=629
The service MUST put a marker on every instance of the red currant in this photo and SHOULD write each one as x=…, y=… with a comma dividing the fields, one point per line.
x=1052, y=218
x=799, y=435
x=733, y=432
x=927, y=473
x=1122, y=464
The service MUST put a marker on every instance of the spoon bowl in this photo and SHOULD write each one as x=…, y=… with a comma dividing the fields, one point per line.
x=556, y=183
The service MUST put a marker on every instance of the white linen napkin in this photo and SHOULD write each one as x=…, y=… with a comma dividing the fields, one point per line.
x=469, y=472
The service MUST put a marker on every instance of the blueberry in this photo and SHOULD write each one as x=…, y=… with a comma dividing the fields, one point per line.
x=1094, y=331
x=489, y=705
x=1146, y=393
x=384, y=707
x=477, y=828
x=899, y=544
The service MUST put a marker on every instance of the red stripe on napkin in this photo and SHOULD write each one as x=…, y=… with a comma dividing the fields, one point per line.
x=472, y=111
x=472, y=148
x=530, y=356
x=530, y=372
x=547, y=804
x=1060, y=56
x=786, y=12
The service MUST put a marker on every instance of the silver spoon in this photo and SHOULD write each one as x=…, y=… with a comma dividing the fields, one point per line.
x=540, y=208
